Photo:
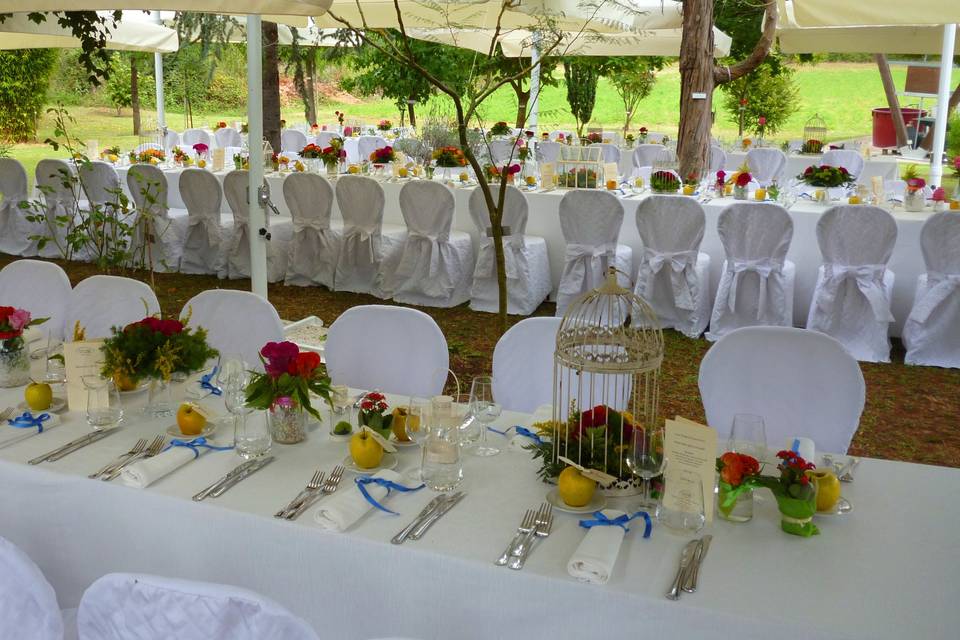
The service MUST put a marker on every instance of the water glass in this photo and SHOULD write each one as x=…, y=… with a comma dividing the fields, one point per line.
x=485, y=410
x=681, y=506
x=55, y=371
x=104, y=409
x=748, y=436
x=441, y=468
x=251, y=436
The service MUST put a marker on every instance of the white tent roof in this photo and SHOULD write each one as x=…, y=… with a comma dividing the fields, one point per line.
x=19, y=32
x=256, y=7
x=852, y=13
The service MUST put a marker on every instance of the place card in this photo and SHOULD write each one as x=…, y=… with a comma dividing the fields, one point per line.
x=691, y=452
x=611, y=171
x=93, y=149
x=218, y=158
x=81, y=358
x=548, y=174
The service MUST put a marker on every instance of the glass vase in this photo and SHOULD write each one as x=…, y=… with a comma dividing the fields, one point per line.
x=739, y=193
x=159, y=399
x=796, y=515
x=741, y=510
x=14, y=363
x=331, y=168
x=288, y=424
x=914, y=200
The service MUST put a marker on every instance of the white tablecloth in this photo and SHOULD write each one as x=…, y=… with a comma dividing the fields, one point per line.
x=887, y=570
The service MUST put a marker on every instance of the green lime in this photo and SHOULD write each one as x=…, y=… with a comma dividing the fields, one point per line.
x=342, y=428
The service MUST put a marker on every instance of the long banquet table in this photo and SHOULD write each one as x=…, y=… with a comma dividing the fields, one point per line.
x=889, y=569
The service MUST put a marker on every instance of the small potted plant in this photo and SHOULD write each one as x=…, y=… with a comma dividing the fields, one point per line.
x=827, y=177
x=629, y=140
x=914, y=198
x=14, y=358
x=796, y=495
x=374, y=413
x=739, y=476
x=384, y=125
x=500, y=129
x=664, y=182
x=643, y=135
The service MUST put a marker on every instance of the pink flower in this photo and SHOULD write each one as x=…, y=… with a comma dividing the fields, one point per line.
x=277, y=357
x=762, y=121
x=19, y=319
x=284, y=401
x=939, y=195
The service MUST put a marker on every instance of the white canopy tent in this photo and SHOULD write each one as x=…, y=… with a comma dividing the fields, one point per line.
x=19, y=32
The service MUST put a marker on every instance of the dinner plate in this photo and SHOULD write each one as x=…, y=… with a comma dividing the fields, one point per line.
x=56, y=405
x=599, y=502
x=140, y=388
x=208, y=429
x=399, y=443
x=389, y=461
x=842, y=508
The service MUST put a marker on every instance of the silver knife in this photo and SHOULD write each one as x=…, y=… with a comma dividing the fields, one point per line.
x=690, y=583
x=428, y=522
x=243, y=475
x=72, y=446
x=240, y=468
x=427, y=510
x=685, y=558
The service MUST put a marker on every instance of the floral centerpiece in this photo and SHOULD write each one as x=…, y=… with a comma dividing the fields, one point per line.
x=582, y=178
x=796, y=495
x=720, y=183
x=593, y=138
x=311, y=152
x=746, y=143
x=341, y=116
x=939, y=197
x=494, y=172
x=241, y=161
x=643, y=134
x=562, y=138
x=523, y=151
x=741, y=181
x=826, y=176
x=629, y=139
x=111, y=153
x=384, y=125
x=664, y=182
x=179, y=155
x=284, y=389
x=201, y=149
x=914, y=197
x=220, y=125
x=148, y=156
x=739, y=476
x=383, y=155
x=373, y=413
x=449, y=157
x=14, y=359
x=500, y=129
x=812, y=146
x=330, y=156
x=545, y=136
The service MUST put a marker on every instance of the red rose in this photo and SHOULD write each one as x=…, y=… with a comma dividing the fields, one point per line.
x=304, y=364
x=743, y=179
x=5, y=313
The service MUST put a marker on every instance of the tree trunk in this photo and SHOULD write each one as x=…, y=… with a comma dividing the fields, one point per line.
x=311, y=86
x=135, y=94
x=523, y=99
x=271, y=87
x=411, y=113
x=696, y=76
x=892, y=101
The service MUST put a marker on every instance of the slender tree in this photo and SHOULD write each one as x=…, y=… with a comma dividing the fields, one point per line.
x=271, y=86
x=582, y=76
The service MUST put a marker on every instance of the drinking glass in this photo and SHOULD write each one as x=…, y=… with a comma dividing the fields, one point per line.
x=645, y=458
x=748, y=436
x=485, y=410
x=55, y=371
x=251, y=435
x=104, y=409
x=415, y=426
x=441, y=468
x=681, y=506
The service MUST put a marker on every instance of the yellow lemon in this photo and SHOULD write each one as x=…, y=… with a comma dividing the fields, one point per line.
x=828, y=488
x=464, y=177
x=531, y=181
x=854, y=200
x=353, y=169
x=688, y=189
x=760, y=194
x=575, y=489
x=201, y=163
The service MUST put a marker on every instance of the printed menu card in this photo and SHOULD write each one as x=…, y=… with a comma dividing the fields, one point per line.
x=81, y=358
x=691, y=452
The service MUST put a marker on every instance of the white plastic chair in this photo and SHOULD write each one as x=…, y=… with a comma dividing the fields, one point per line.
x=851, y=301
x=219, y=311
x=368, y=144
x=315, y=247
x=42, y=288
x=548, y=151
x=171, y=139
x=367, y=242
x=611, y=152
x=407, y=357
x=756, y=287
x=647, y=155
x=236, y=258
x=932, y=331
x=718, y=159
x=191, y=137
x=801, y=383
x=523, y=364
x=526, y=261
x=230, y=137
x=205, y=230
x=435, y=267
x=14, y=228
x=124, y=606
x=56, y=180
x=590, y=221
x=101, y=302
x=148, y=189
x=28, y=603
x=849, y=159
x=292, y=141
x=766, y=164
x=673, y=274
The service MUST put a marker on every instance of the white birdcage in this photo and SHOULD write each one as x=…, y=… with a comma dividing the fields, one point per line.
x=814, y=134
x=606, y=373
x=580, y=167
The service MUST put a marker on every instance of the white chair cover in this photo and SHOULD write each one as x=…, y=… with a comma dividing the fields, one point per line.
x=849, y=159
x=365, y=243
x=435, y=265
x=315, y=247
x=292, y=141
x=548, y=151
x=205, y=231
x=323, y=139
x=801, y=383
x=28, y=604
x=408, y=355
x=766, y=164
x=171, y=139
x=615, y=137
x=611, y=152
x=148, y=188
x=932, y=331
x=673, y=275
x=368, y=144
x=126, y=606
x=527, y=265
x=230, y=137
x=655, y=137
x=756, y=287
x=523, y=364
x=236, y=259
x=503, y=151
x=100, y=183
x=42, y=288
x=851, y=301
x=718, y=159
x=646, y=155
x=101, y=302
x=14, y=228
x=218, y=311
x=56, y=180
x=590, y=221
x=191, y=137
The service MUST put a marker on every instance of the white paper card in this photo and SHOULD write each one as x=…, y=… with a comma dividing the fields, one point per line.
x=691, y=451
x=547, y=174
x=218, y=159
x=611, y=171
x=81, y=359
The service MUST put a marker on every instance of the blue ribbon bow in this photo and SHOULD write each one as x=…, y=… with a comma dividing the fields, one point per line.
x=363, y=481
x=601, y=520
x=195, y=446
x=26, y=420
x=521, y=431
x=207, y=384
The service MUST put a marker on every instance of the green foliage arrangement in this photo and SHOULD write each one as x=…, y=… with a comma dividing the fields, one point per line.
x=664, y=182
x=826, y=176
x=155, y=349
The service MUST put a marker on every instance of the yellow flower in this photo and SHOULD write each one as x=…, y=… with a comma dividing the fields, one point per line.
x=79, y=334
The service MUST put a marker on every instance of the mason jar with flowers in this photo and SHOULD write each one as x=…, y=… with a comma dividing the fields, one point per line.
x=283, y=390
x=741, y=183
x=593, y=138
x=719, y=185
x=312, y=153
x=14, y=358
x=914, y=195
x=382, y=157
x=500, y=129
x=448, y=158
x=384, y=125
x=739, y=476
x=643, y=135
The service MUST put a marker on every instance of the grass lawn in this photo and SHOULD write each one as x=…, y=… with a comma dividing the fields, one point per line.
x=911, y=413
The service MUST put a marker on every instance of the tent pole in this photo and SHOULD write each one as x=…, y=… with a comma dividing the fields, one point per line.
x=943, y=105
x=158, y=77
x=258, y=247
x=531, y=121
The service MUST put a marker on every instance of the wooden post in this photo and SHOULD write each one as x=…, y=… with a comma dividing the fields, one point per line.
x=892, y=100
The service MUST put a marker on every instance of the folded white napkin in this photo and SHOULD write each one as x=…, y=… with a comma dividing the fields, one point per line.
x=340, y=511
x=594, y=559
x=11, y=435
x=143, y=473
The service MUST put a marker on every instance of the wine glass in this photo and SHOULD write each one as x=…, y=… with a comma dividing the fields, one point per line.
x=485, y=410
x=645, y=458
x=748, y=436
x=104, y=409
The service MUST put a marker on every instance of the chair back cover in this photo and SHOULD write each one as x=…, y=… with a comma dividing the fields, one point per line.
x=611, y=152
x=42, y=288
x=590, y=221
x=324, y=137
x=99, y=182
x=802, y=383
x=191, y=137
x=171, y=139
x=766, y=164
x=292, y=140
x=523, y=364
x=312, y=254
x=361, y=201
x=403, y=337
x=427, y=265
x=101, y=302
x=147, y=182
x=849, y=159
x=548, y=151
x=718, y=159
x=13, y=187
x=856, y=235
x=218, y=311
x=310, y=199
x=368, y=144
x=515, y=213
x=940, y=243
x=125, y=606
x=229, y=137
x=202, y=195
x=647, y=155
x=28, y=604
x=502, y=152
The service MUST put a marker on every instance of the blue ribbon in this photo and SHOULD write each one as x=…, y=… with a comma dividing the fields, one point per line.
x=27, y=421
x=521, y=431
x=195, y=446
x=796, y=446
x=363, y=481
x=601, y=520
x=205, y=382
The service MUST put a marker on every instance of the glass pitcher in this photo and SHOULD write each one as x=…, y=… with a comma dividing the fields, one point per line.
x=441, y=467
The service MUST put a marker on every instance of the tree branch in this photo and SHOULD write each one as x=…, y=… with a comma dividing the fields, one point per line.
x=722, y=74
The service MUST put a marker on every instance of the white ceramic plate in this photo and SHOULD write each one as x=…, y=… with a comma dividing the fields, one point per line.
x=208, y=429
x=598, y=502
x=389, y=461
x=842, y=508
x=56, y=405
x=140, y=388
x=402, y=445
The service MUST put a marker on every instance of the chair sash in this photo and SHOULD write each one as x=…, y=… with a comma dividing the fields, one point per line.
x=423, y=257
x=302, y=223
x=940, y=286
x=763, y=267
x=683, y=277
x=360, y=246
x=583, y=261
x=487, y=259
x=869, y=280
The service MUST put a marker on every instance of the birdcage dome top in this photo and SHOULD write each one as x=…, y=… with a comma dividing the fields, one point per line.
x=610, y=330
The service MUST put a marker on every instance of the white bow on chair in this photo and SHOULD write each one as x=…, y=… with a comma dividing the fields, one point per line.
x=422, y=250
x=486, y=259
x=869, y=279
x=359, y=244
x=586, y=259
x=304, y=223
x=762, y=267
x=681, y=274
x=941, y=287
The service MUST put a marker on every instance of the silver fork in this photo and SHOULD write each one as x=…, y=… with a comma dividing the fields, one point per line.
x=139, y=446
x=153, y=449
x=315, y=483
x=329, y=486
x=542, y=530
x=529, y=522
